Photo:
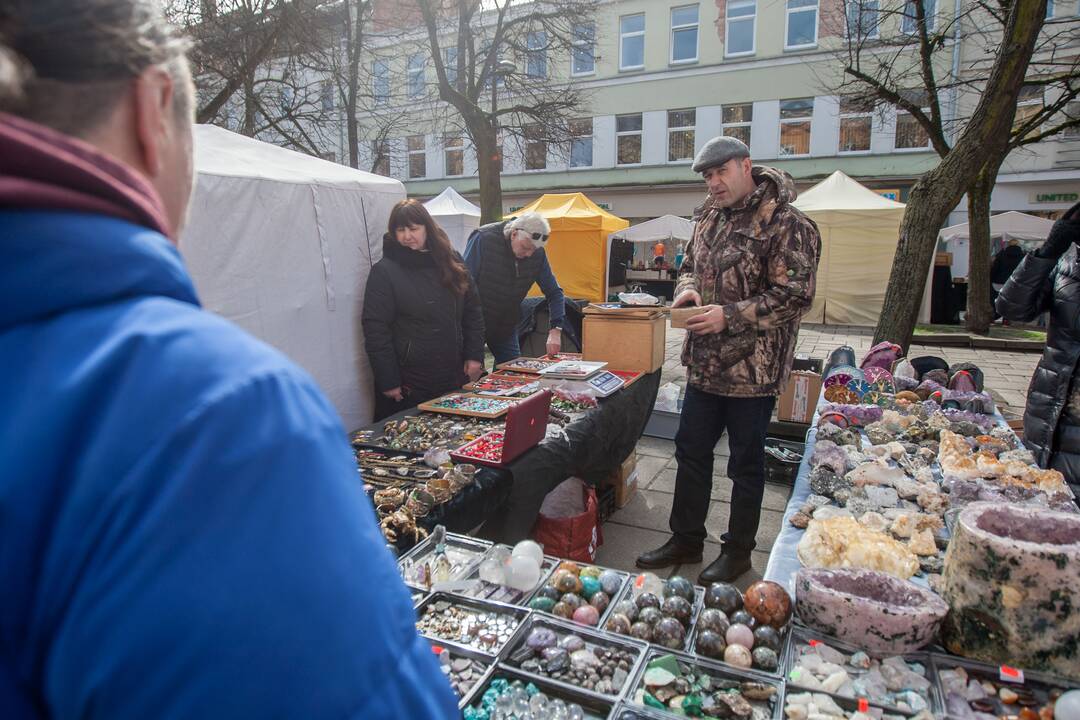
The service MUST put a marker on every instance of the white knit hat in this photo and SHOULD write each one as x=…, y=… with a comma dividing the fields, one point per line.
x=534, y=225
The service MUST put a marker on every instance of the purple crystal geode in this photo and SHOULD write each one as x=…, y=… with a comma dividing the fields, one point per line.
x=871, y=610
x=1012, y=579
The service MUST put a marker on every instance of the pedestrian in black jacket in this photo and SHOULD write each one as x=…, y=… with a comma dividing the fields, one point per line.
x=1045, y=281
x=423, y=326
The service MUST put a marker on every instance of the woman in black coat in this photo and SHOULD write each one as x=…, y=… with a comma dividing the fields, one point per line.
x=423, y=326
x=1047, y=281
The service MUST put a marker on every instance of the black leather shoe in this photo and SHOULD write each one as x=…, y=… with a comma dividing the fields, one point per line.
x=726, y=568
x=670, y=553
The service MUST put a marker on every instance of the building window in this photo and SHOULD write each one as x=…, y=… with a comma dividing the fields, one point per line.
x=740, y=21
x=1050, y=9
x=416, y=75
x=454, y=149
x=417, y=156
x=684, y=34
x=632, y=42
x=326, y=94
x=736, y=121
x=380, y=81
x=681, y=134
x=910, y=19
x=380, y=157
x=863, y=19
x=795, y=126
x=583, y=60
x=910, y=134
x=450, y=63
x=536, y=65
x=855, y=125
x=1072, y=112
x=535, y=148
x=801, y=24
x=581, y=143
x=1028, y=104
x=628, y=139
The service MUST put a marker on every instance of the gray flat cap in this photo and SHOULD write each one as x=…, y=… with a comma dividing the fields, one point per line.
x=718, y=151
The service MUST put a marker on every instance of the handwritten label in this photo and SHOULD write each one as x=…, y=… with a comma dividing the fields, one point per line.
x=1011, y=675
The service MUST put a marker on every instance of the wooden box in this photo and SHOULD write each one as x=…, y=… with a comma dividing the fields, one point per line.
x=798, y=401
x=624, y=480
x=625, y=343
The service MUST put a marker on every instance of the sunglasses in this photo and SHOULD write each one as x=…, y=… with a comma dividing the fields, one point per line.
x=536, y=236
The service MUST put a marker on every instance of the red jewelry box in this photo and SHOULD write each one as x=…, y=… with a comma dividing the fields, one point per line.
x=526, y=425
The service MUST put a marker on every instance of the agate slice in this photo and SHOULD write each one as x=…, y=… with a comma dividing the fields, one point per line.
x=1011, y=580
x=871, y=610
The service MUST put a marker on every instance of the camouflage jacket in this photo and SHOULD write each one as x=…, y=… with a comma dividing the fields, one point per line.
x=758, y=261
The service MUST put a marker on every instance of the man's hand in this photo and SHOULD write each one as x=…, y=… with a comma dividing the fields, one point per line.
x=394, y=394
x=709, y=322
x=687, y=297
x=473, y=369
x=554, y=341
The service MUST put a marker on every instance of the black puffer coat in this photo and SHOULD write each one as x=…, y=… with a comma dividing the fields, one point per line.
x=1051, y=422
x=418, y=333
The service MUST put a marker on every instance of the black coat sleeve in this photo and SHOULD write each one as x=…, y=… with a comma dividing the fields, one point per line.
x=1029, y=290
x=380, y=309
x=472, y=325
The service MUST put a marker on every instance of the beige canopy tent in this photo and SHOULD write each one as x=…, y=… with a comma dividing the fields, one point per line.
x=859, y=231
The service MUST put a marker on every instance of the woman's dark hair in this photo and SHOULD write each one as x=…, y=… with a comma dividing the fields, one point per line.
x=452, y=271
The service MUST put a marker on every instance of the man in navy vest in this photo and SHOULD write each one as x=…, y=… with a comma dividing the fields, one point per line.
x=505, y=259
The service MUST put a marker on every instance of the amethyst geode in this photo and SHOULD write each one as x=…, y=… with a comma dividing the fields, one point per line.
x=871, y=610
x=1012, y=582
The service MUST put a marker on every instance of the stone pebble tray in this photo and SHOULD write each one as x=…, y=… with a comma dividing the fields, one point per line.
x=1039, y=683
x=486, y=662
x=500, y=593
x=426, y=547
x=603, y=616
x=595, y=707
x=785, y=638
x=627, y=593
x=478, y=607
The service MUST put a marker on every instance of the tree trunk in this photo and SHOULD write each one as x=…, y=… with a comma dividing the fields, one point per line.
x=248, y=126
x=979, y=313
x=487, y=163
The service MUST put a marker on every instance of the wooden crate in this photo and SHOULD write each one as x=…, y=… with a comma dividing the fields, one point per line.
x=625, y=343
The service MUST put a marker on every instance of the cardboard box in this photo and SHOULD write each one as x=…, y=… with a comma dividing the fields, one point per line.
x=679, y=316
x=799, y=398
x=625, y=481
x=625, y=343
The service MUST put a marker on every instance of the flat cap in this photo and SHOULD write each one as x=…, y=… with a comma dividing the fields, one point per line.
x=718, y=151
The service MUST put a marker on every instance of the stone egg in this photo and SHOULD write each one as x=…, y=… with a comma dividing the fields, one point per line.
x=650, y=615
x=677, y=607
x=540, y=638
x=645, y=600
x=680, y=587
x=571, y=643
x=566, y=582
x=710, y=644
x=723, y=596
x=562, y=610
x=768, y=637
x=743, y=618
x=1068, y=705
x=619, y=623
x=715, y=620
x=549, y=591
x=586, y=615
x=642, y=631
x=738, y=656
x=670, y=633
x=543, y=604
x=769, y=603
x=529, y=549
x=590, y=571
x=627, y=608
x=600, y=601
x=589, y=586
x=574, y=601
x=556, y=659
x=739, y=634
x=570, y=566
x=611, y=582
x=765, y=659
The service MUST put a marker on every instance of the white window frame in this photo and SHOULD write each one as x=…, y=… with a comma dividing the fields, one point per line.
x=409, y=153
x=413, y=73
x=788, y=12
x=907, y=22
x=1050, y=9
x=536, y=54
x=861, y=5
x=854, y=115
x=327, y=101
x=808, y=119
x=627, y=133
x=748, y=124
x=386, y=155
x=575, y=138
x=751, y=18
x=920, y=148
x=584, y=44
x=1039, y=102
x=459, y=148
x=450, y=65
x=382, y=98
x=1072, y=110
x=696, y=26
x=623, y=36
x=681, y=128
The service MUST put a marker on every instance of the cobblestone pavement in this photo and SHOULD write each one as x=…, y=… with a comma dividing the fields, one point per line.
x=642, y=524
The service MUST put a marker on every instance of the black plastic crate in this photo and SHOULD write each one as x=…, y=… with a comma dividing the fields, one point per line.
x=782, y=459
x=605, y=500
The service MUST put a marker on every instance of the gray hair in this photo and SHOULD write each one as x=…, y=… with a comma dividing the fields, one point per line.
x=66, y=65
x=531, y=223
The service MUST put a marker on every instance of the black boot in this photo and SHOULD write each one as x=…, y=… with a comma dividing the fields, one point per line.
x=673, y=552
x=731, y=565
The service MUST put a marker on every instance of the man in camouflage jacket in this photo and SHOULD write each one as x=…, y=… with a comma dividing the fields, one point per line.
x=751, y=266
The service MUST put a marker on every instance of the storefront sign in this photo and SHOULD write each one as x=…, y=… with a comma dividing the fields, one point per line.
x=1067, y=197
x=893, y=195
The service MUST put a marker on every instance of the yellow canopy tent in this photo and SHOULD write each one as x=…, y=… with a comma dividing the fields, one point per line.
x=578, y=247
x=859, y=232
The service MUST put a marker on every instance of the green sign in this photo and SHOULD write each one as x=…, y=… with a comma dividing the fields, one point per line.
x=1056, y=197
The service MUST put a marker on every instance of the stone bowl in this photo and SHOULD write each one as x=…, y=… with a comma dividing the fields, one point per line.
x=876, y=612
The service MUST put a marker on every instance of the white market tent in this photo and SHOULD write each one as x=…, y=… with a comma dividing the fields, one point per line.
x=282, y=244
x=859, y=232
x=1029, y=230
x=456, y=215
x=661, y=229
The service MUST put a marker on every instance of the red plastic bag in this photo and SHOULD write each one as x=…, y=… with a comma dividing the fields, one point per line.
x=574, y=537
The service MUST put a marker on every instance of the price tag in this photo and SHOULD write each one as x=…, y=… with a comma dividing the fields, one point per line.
x=1011, y=675
x=814, y=643
x=864, y=705
x=437, y=649
x=639, y=581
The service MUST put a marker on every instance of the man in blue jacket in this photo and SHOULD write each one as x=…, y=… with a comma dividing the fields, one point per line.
x=182, y=530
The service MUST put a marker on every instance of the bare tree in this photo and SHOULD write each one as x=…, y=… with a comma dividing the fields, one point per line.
x=473, y=46
x=899, y=56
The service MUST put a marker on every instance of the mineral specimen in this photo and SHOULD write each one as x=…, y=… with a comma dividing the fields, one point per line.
x=842, y=542
x=769, y=603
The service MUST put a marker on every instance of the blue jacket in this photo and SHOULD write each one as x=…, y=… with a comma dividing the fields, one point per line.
x=183, y=533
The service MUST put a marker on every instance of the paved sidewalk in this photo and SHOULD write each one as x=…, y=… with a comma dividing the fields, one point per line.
x=642, y=524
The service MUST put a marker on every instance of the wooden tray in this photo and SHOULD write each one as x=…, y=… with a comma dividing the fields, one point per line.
x=510, y=383
x=432, y=405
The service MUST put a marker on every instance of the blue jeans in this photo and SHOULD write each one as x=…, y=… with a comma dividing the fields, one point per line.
x=505, y=350
x=704, y=419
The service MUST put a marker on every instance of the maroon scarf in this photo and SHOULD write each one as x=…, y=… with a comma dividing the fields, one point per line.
x=43, y=169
